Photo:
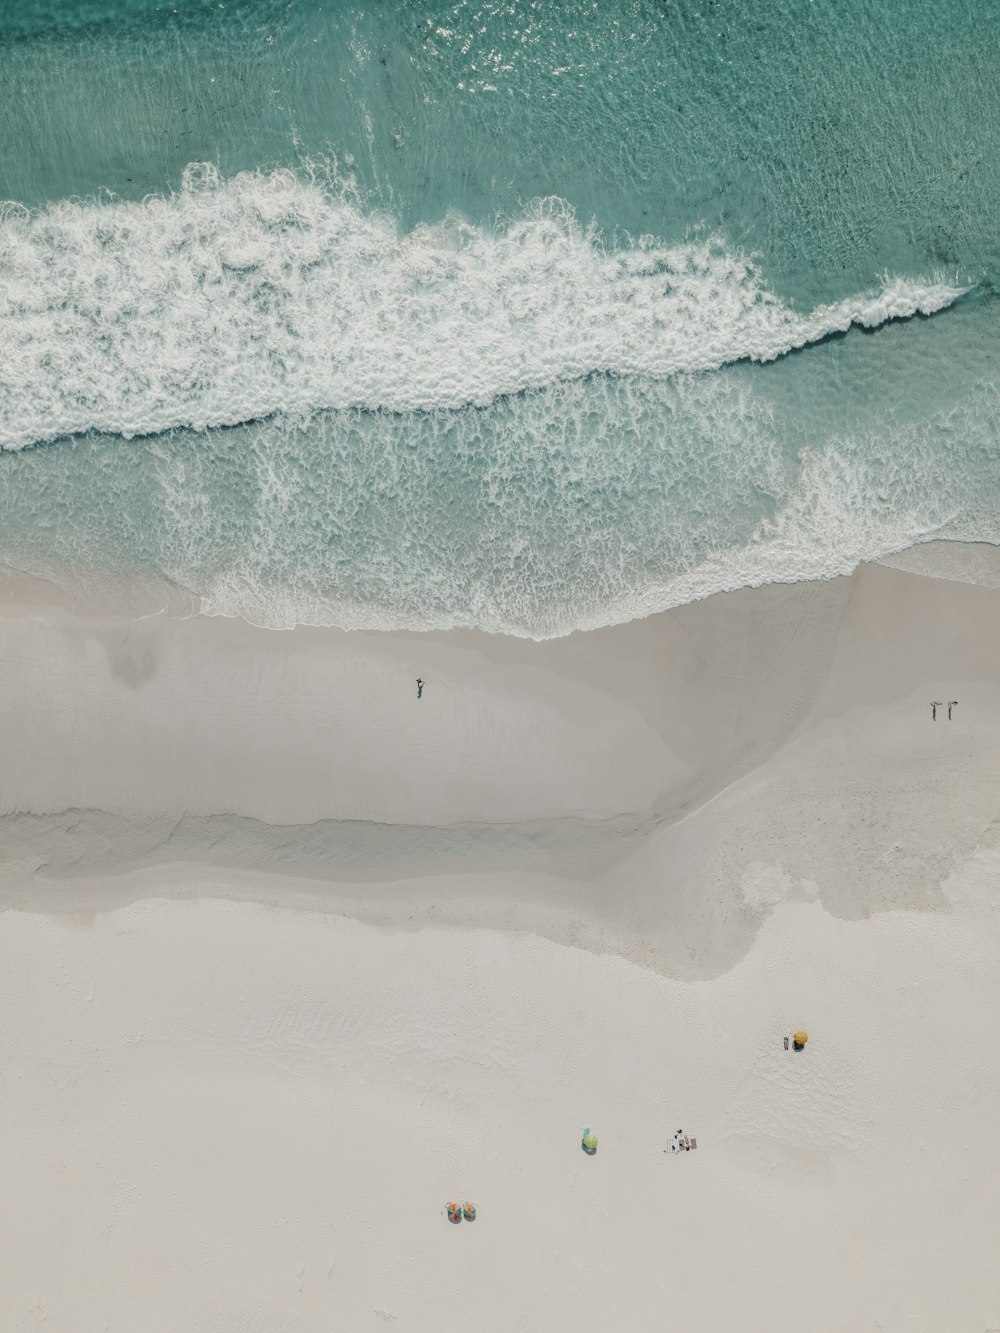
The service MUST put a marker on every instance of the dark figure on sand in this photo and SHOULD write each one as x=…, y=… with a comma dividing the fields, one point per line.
x=420, y=687
x=952, y=703
x=934, y=707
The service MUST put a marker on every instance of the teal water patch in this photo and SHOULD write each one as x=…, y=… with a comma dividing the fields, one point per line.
x=93, y=844
x=426, y=315
x=838, y=140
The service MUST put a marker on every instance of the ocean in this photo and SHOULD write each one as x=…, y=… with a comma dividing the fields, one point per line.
x=528, y=316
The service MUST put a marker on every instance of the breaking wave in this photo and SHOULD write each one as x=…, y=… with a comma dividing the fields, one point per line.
x=236, y=299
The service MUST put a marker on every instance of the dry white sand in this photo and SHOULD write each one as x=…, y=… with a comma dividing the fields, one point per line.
x=623, y=866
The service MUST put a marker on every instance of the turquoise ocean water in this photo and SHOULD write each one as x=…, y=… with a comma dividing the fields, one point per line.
x=525, y=315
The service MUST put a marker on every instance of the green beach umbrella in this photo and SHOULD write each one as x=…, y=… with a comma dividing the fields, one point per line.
x=589, y=1140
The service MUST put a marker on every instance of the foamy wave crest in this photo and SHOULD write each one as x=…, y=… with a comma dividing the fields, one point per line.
x=236, y=299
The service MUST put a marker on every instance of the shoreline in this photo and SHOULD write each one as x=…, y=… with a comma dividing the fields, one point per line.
x=152, y=595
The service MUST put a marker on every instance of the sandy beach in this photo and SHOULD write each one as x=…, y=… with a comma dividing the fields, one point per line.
x=291, y=958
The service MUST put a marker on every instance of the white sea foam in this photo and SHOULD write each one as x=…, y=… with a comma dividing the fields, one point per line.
x=542, y=565
x=237, y=299
x=825, y=529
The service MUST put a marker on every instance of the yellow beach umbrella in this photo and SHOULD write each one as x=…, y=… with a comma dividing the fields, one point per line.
x=589, y=1141
x=800, y=1038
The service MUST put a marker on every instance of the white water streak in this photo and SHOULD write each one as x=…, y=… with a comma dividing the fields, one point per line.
x=236, y=299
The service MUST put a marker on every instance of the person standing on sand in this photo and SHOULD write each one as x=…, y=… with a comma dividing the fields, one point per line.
x=420, y=687
x=934, y=707
x=952, y=703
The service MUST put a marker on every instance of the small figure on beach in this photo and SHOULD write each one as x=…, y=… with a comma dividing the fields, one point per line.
x=786, y=1043
x=952, y=703
x=935, y=705
x=420, y=687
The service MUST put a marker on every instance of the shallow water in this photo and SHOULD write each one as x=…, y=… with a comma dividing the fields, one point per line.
x=520, y=316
